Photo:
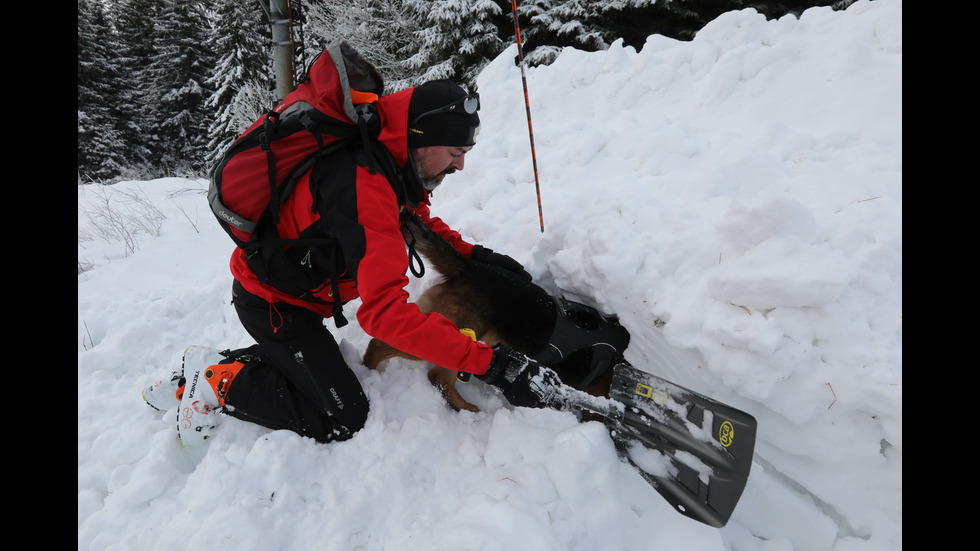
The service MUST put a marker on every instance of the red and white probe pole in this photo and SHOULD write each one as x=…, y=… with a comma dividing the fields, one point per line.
x=527, y=105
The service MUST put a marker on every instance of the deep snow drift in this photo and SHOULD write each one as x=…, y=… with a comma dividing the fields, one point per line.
x=735, y=200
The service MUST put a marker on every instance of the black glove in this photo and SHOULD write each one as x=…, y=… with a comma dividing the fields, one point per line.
x=487, y=256
x=524, y=381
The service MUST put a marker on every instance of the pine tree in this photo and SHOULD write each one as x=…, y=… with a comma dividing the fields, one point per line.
x=481, y=40
x=556, y=24
x=99, y=142
x=178, y=89
x=458, y=38
x=134, y=23
x=384, y=32
x=242, y=81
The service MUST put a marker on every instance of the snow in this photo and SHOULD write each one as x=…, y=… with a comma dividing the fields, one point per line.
x=735, y=200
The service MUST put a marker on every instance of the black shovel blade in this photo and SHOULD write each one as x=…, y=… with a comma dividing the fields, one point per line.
x=695, y=451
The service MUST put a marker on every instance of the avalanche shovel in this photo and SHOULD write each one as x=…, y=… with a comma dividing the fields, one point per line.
x=696, y=452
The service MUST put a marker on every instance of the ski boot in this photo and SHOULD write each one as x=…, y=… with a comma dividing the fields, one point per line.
x=207, y=373
x=165, y=393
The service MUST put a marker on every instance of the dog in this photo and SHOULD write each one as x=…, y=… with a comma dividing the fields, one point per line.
x=499, y=306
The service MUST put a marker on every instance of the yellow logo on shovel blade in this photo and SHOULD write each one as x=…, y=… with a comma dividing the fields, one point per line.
x=726, y=434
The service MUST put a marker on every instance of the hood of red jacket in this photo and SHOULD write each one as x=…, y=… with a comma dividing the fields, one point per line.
x=393, y=109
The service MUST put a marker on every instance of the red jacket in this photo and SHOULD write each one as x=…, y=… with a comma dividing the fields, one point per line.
x=362, y=210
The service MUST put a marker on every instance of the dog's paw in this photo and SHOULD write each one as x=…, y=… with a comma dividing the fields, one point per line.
x=445, y=380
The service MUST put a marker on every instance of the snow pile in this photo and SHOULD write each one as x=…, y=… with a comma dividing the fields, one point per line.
x=735, y=200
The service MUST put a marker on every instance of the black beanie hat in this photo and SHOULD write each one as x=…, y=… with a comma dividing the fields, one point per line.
x=450, y=124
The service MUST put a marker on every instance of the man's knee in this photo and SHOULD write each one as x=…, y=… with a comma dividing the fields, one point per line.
x=342, y=427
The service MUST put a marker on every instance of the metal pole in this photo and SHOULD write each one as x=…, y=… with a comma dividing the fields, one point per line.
x=282, y=44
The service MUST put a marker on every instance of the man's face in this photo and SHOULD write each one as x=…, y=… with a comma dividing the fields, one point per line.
x=433, y=163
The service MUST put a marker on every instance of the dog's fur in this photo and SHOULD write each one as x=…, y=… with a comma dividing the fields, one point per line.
x=499, y=306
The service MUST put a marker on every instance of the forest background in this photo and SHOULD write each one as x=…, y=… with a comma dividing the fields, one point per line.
x=165, y=85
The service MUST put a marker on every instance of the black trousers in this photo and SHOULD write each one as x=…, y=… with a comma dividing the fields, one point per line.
x=303, y=383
